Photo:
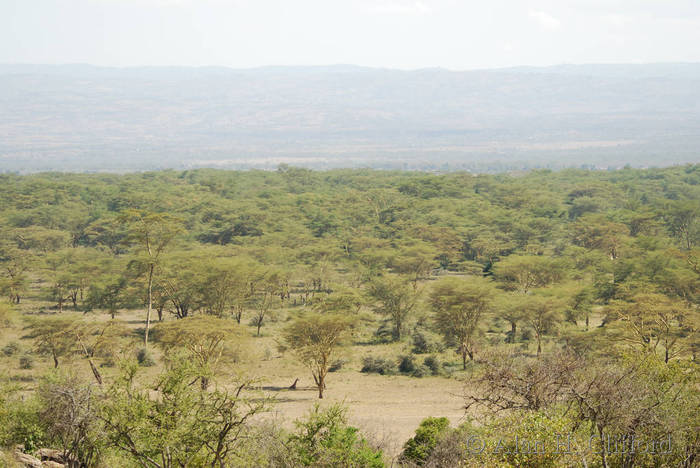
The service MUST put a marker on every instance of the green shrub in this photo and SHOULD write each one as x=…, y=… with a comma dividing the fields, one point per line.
x=337, y=365
x=424, y=344
x=385, y=333
x=145, y=358
x=20, y=423
x=406, y=364
x=535, y=430
x=418, y=448
x=432, y=363
x=378, y=365
x=108, y=362
x=26, y=361
x=325, y=439
x=11, y=349
x=420, y=371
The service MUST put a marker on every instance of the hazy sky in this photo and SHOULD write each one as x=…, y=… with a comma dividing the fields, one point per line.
x=456, y=34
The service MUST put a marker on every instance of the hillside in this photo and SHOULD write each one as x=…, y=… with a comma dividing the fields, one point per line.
x=84, y=118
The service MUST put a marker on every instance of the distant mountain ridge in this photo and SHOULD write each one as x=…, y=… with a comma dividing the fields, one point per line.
x=87, y=118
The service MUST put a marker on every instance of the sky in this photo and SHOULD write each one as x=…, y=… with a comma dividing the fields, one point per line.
x=404, y=34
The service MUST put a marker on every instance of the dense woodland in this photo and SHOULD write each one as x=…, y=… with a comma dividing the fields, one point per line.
x=133, y=308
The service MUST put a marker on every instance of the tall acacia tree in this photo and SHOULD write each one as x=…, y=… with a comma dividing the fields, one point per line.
x=14, y=264
x=395, y=298
x=459, y=305
x=521, y=274
x=542, y=314
x=152, y=233
x=207, y=342
x=314, y=339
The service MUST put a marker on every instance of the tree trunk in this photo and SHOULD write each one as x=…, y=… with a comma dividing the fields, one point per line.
x=513, y=329
x=321, y=386
x=150, y=304
x=604, y=454
x=539, y=346
x=397, y=329
x=95, y=372
x=55, y=360
x=464, y=359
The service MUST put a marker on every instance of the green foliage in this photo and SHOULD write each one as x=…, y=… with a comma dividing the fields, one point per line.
x=325, y=439
x=26, y=361
x=54, y=336
x=209, y=342
x=395, y=298
x=336, y=365
x=176, y=421
x=530, y=439
x=378, y=365
x=314, y=339
x=423, y=343
x=20, y=422
x=596, y=263
x=418, y=448
x=432, y=363
x=459, y=305
x=12, y=348
x=145, y=358
x=407, y=364
x=70, y=413
x=6, y=315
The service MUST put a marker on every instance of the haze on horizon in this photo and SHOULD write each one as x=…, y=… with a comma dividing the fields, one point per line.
x=404, y=34
x=451, y=111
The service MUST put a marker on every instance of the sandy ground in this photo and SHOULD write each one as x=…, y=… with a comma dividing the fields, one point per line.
x=386, y=408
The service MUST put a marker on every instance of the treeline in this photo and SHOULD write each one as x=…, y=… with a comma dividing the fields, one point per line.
x=544, y=284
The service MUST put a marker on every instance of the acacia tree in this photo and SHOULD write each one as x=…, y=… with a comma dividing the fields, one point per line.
x=98, y=339
x=595, y=232
x=110, y=294
x=152, y=233
x=682, y=219
x=643, y=398
x=314, y=339
x=207, y=341
x=60, y=279
x=227, y=288
x=182, y=283
x=176, y=424
x=522, y=273
x=650, y=320
x=266, y=289
x=415, y=261
x=459, y=305
x=542, y=314
x=14, y=264
x=341, y=300
x=510, y=309
x=53, y=336
x=82, y=266
x=395, y=298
